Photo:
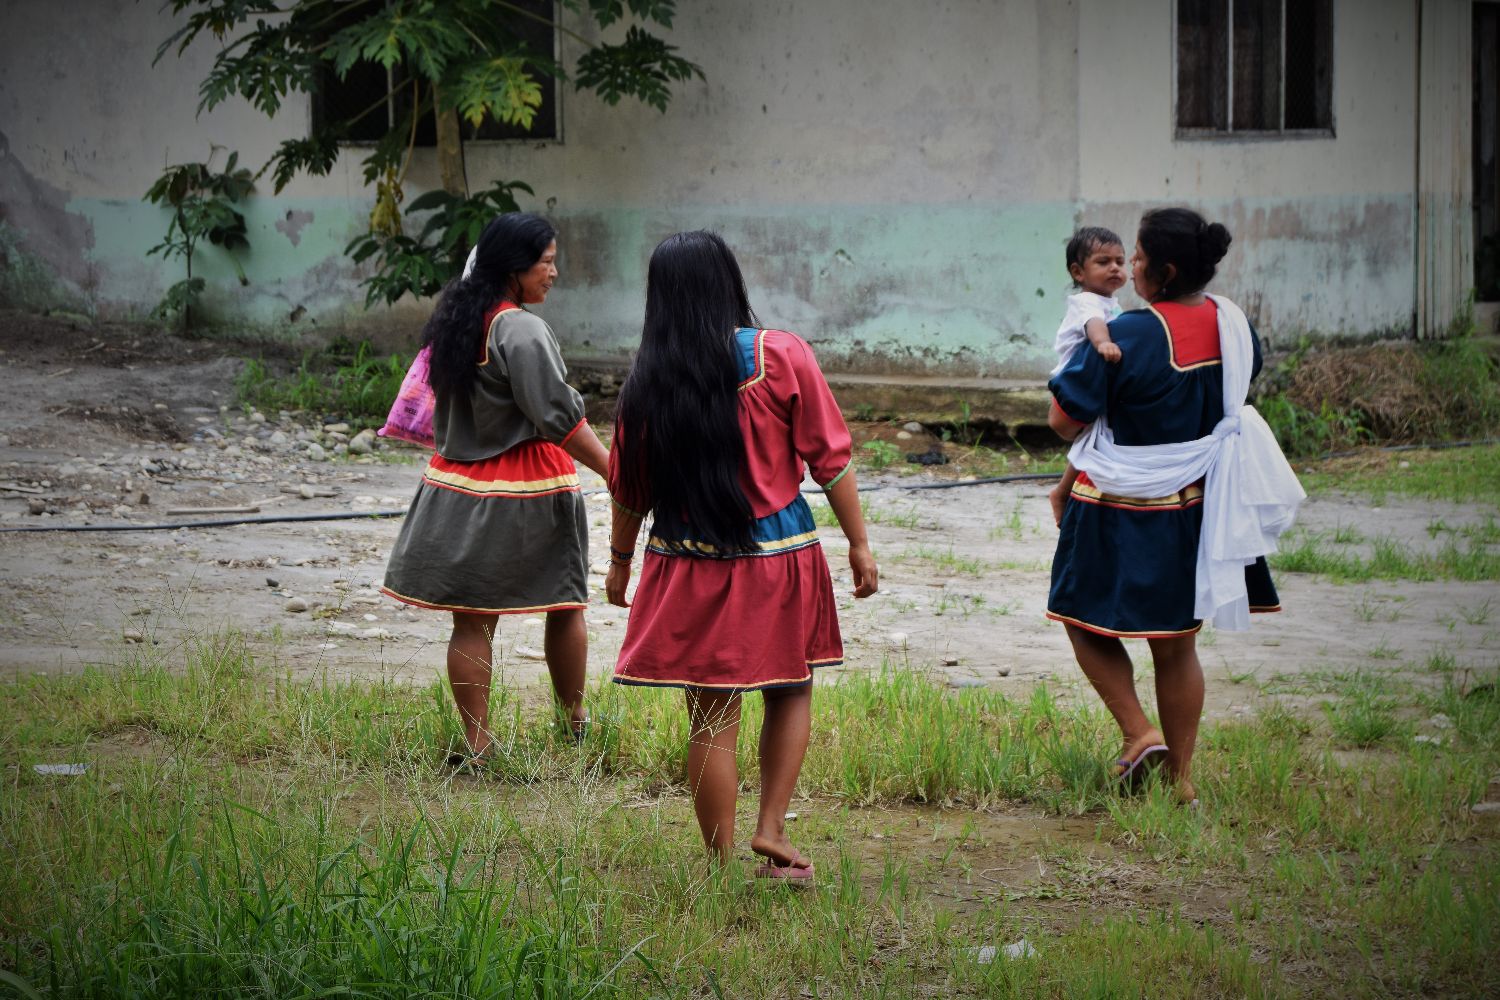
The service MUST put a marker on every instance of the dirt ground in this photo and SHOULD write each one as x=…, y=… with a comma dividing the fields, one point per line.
x=106, y=425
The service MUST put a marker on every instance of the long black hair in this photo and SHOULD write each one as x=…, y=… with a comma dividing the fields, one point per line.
x=677, y=429
x=455, y=331
x=1183, y=238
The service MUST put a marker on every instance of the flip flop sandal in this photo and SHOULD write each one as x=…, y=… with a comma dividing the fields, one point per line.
x=790, y=874
x=464, y=763
x=1130, y=773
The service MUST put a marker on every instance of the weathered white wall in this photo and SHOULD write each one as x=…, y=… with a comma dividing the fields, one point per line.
x=898, y=178
x=1323, y=227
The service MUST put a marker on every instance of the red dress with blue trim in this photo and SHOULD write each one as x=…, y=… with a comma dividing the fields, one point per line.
x=767, y=618
x=1126, y=566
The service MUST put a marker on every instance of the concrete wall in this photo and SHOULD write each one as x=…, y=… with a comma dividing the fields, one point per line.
x=1323, y=227
x=898, y=178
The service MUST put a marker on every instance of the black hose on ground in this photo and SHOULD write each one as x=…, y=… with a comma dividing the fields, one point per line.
x=1020, y=477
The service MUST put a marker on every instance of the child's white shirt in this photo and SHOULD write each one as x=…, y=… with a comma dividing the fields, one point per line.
x=1082, y=307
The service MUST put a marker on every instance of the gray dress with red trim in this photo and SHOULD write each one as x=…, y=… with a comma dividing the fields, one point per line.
x=498, y=524
x=1126, y=566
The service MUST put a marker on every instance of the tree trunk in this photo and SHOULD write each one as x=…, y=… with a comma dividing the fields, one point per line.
x=450, y=148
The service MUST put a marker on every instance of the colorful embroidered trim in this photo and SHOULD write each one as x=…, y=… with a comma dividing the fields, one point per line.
x=752, y=345
x=531, y=469
x=430, y=606
x=1101, y=630
x=790, y=528
x=1172, y=347
x=1089, y=493
x=842, y=473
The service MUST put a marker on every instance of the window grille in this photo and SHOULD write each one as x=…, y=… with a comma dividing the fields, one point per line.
x=1254, y=67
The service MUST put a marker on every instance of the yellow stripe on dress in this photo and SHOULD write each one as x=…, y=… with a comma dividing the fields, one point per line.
x=1088, y=493
x=500, y=487
x=666, y=547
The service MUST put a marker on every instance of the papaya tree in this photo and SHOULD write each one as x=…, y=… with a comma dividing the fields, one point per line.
x=444, y=66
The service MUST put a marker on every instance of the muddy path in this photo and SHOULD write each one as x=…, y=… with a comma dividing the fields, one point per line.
x=108, y=426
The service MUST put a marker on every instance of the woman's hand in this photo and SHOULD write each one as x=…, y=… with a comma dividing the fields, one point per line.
x=866, y=573
x=615, y=582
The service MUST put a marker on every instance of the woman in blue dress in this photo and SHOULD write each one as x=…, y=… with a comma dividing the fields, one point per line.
x=1125, y=566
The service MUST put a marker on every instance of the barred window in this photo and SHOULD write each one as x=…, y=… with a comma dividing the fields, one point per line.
x=381, y=98
x=1254, y=67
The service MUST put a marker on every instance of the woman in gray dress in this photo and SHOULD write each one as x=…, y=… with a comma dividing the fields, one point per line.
x=497, y=525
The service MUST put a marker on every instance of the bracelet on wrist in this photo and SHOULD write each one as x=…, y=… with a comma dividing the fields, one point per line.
x=616, y=556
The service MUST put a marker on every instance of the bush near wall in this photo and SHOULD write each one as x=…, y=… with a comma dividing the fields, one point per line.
x=1405, y=392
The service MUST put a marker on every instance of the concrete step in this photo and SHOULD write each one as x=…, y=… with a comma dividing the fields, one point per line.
x=992, y=405
x=996, y=407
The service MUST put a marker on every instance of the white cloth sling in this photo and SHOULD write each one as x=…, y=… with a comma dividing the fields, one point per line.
x=1250, y=493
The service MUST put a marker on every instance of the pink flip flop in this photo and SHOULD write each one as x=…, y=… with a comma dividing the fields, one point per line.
x=800, y=875
x=1133, y=771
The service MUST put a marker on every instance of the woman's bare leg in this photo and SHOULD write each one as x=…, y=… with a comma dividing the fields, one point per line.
x=1179, y=697
x=566, y=645
x=713, y=778
x=1108, y=668
x=469, y=662
x=783, y=745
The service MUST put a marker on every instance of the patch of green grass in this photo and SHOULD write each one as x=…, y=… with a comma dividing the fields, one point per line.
x=1389, y=559
x=1363, y=720
x=1460, y=475
x=880, y=454
x=240, y=833
x=944, y=560
x=1012, y=527
x=349, y=380
x=905, y=517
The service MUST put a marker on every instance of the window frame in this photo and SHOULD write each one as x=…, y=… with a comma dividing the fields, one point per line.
x=1230, y=133
x=314, y=113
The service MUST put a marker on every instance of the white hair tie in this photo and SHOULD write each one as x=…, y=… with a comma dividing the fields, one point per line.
x=469, y=264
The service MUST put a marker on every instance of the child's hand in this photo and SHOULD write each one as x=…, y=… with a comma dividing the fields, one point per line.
x=1109, y=351
x=1059, y=500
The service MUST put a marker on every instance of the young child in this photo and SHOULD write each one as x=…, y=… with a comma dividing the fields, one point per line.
x=1096, y=263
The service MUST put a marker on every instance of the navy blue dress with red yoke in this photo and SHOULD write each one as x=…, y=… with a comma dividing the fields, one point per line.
x=1126, y=566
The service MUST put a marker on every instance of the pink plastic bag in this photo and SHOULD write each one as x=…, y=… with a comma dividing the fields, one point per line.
x=410, y=418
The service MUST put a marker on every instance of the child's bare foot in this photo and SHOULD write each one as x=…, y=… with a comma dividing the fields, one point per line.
x=778, y=849
x=1185, y=794
x=1059, y=501
x=1109, y=351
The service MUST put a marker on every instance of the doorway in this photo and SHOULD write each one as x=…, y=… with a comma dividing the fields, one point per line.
x=1486, y=68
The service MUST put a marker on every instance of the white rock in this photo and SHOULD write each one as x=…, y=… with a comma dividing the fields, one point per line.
x=316, y=453
x=257, y=417
x=133, y=635
x=296, y=605
x=1440, y=721
x=527, y=653
x=912, y=427
x=1485, y=808
x=371, y=618
x=279, y=439
x=903, y=435
x=306, y=492
x=362, y=443
x=897, y=639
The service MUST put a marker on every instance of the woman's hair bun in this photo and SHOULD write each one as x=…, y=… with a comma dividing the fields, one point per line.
x=1213, y=243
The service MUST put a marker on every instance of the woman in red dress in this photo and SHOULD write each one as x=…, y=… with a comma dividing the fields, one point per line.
x=714, y=426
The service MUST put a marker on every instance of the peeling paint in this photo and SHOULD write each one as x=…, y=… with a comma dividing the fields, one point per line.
x=292, y=225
